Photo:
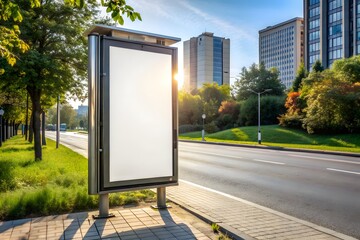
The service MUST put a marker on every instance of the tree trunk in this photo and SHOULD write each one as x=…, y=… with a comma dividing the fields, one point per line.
x=27, y=117
x=43, y=128
x=36, y=126
x=31, y=128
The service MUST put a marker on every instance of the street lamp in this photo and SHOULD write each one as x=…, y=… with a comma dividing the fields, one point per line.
x=203, y=130
x=259, y=117
x=1, y=126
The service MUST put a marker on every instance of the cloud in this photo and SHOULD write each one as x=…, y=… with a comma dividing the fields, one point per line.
x=220, y=24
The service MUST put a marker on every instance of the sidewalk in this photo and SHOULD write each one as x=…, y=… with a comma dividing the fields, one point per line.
x=128, y=224
x=236, y=217
x=245, y=220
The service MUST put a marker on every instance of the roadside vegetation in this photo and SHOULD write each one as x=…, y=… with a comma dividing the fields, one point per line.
x=277, y=136
x=58, y=184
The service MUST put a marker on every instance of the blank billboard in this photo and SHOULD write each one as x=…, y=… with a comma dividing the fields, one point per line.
x=140, y=114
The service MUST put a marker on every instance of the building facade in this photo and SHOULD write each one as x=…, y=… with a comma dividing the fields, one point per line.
x=332, y=30
x=281, y=46
x=206, y=60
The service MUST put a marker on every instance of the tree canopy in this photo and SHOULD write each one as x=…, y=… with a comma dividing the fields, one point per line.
x=257, y=78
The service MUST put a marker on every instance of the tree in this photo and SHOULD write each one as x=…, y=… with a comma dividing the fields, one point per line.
x=11, y=11
x=348, y=69
x=68, y=115
x=317, y=67
x=300, y=75
x=190, y=109
x=56, y=60
x=257, y=78
x=270, y=106
x=228, y=114
x=212, y=95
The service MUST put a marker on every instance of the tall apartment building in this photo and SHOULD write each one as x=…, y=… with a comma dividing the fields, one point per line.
x=206, y=60
x=281, y=46
x=332, y=30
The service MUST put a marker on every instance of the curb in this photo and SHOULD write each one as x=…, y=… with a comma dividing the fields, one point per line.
x=224, y=228
x=346, y=154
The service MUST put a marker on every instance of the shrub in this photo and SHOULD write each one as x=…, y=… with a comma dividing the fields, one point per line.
x=211, y=127
x=189, y=128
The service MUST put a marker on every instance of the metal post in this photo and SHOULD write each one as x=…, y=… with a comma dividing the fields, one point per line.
x=58, y=122
x=259, y=128
x=93, y=128
x=161, y=199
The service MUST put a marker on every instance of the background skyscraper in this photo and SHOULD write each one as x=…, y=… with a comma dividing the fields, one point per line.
x=281, y=46
x=332, y=30
x=206, y=60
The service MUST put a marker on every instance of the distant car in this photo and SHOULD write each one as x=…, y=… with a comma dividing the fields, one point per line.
x=50, y=127
x=63, y=127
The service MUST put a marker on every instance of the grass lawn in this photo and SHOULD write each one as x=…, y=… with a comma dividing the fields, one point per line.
x=57, y=184
x=275, y=135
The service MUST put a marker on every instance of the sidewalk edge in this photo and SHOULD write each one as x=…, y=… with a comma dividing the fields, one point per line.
x=306, y=223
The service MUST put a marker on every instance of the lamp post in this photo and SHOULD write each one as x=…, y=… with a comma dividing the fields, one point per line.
x=259, y=116
x=1, y=127
x=203, y=130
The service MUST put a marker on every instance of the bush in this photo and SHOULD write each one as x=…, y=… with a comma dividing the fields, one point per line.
x=189, y=128
x=211, y=127
x=291, y=121
x=271, y=108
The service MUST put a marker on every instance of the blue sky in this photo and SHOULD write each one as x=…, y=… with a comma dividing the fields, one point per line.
x=239, y=20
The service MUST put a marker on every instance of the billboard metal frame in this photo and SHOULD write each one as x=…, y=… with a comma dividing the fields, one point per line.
x=99, y=128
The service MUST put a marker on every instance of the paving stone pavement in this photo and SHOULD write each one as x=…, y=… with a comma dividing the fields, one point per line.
x=128, y=224
x=243, y=219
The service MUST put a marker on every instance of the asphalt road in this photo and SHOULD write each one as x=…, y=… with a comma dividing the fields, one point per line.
x=320, y=188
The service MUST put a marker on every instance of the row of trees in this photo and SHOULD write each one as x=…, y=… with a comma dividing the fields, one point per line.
x=325, y=101
x=227, y=108
x=43, y=54
x=69, y=116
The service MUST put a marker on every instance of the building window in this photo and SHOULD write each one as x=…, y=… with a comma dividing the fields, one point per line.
x=334, y=42
x=313, y=2
x=335, y=17
x=335, y=29
x=314, y=24
x=336, y=54
x=314, y=35
x=314, y=47
x=334, y=4
x=314, y=12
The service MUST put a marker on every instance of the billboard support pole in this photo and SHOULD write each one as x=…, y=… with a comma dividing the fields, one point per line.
x=161, y=199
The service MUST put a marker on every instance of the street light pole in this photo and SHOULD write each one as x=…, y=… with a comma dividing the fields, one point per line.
x=203, y=130
x=259, y=114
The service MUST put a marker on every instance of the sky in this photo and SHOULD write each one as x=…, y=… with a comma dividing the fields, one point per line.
x=238, y=20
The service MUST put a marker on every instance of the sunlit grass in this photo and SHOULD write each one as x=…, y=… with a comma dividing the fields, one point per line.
x=57, y=184
x=277, y=136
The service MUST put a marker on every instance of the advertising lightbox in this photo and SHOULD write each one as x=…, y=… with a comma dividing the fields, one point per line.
x=133, y=115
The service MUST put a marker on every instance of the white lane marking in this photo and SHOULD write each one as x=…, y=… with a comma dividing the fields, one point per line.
x=344, y=171
x=207, y=153
x=265, y=161
x=325, y=159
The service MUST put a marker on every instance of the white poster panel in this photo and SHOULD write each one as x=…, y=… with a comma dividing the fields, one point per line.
x=140, y=115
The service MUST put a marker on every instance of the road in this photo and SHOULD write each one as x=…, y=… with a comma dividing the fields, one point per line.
x=320, y=188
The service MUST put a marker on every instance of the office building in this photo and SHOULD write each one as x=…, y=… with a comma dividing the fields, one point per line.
x=332, y=30
x=206, y=60
x=281, y=46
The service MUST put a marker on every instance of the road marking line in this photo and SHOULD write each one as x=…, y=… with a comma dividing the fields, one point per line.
x=325, y=159
x=207, y=153
x=344, y=171
x=265, y=161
